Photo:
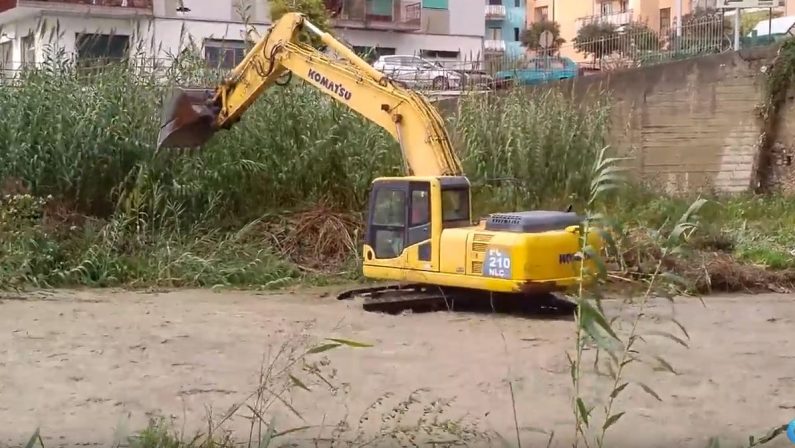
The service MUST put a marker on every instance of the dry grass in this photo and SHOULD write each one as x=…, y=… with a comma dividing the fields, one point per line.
x=320, y=239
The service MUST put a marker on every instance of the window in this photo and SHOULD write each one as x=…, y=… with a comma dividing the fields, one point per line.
x=541, y=14
x=455, y=205
x=517, y=3
x=665, y=20
x=420, y=207
x=100, y=48
x=440, y=54
x=547, y=64
x=225, y=54
x=390, y=208
x=413, y=61
x=494, y=34
x=607, y=8
x=389, y=223
x=420, y=213
x=516, y=34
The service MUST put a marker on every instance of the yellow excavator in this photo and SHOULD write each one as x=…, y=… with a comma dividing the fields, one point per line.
x=420, y=234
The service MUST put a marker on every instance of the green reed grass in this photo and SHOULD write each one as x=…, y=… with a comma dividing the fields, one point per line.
x=531, y=150
x=87, y=137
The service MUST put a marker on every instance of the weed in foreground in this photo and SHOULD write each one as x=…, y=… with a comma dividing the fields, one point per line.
x=617, y=341
x=268, y=416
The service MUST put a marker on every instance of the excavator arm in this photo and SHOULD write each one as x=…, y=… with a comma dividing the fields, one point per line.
x=193, y=117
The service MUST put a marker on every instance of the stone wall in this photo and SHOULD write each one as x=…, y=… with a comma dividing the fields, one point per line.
x=689, y=124
x=693, y=124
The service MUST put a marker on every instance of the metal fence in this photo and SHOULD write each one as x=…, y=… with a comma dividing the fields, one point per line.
x=610, y=47
x=601, y=49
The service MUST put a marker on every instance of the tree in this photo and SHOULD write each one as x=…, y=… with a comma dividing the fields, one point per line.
x=636, y=37
x=633, y=42
x=597, y=38
x=531, y=36
x=704, y=30
x=315, y=10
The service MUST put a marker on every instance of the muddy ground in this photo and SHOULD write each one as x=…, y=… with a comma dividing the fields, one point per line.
x=83, y=364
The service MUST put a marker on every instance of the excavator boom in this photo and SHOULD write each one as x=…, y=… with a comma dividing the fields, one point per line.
x=193, y=117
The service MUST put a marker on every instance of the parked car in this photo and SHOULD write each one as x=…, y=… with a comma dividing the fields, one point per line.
x=417, y=72
x=538, y=70
x=476, y=79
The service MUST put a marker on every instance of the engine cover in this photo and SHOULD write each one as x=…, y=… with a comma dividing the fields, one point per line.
x=534, y=221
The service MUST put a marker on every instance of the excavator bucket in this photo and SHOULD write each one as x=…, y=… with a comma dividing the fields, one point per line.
x=188, y=120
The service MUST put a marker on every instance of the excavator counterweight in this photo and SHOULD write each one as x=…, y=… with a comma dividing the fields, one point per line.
x=188, y=119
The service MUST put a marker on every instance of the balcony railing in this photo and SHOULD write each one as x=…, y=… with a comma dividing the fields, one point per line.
x=132, y=4
x=384, y=14
x=495, y=12
x=616, y=18
x=494, y=46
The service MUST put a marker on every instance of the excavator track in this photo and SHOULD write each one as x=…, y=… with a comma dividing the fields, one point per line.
x=398, y=298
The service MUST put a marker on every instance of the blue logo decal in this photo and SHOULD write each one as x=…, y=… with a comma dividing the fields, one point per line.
x=791, y=431
x=498, y=264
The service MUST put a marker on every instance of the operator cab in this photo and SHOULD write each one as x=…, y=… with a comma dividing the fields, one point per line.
x=402, y=211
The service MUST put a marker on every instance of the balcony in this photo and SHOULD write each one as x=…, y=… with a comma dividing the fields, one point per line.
x=495, y=12
x=14, y=9
x=400, y=15
x=616, y=18
x=494, y=46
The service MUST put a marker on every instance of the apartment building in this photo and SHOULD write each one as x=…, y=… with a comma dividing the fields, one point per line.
x=437, y=29
x=505, y=21
x=571, y=15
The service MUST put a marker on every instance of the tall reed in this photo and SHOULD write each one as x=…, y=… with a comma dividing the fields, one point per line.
x=531, y=149
x=87, y=138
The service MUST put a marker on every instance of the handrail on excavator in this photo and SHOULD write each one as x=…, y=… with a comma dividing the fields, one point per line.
x=193, y=117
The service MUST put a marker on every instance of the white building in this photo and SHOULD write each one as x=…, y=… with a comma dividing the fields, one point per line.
x=438, y=29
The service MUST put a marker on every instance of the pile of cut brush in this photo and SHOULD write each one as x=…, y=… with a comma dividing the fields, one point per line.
x=707, y=267
x=319, y=239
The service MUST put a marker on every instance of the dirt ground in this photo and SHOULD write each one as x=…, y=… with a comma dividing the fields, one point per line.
x=82, y=364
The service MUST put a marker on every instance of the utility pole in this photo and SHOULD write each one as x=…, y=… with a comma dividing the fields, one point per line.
x=678, y=18
x=553, y=10
x=736, y=29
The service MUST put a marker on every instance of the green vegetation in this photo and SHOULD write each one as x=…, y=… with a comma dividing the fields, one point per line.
x=601, y=39
x=279, y=199
x=531, y=37
x=226, y=215
x=607, y=346
x=315, y=10
x=84, y=201
x=778, y=83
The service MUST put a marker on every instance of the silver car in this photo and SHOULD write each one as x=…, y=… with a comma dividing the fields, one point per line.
x=417, y=72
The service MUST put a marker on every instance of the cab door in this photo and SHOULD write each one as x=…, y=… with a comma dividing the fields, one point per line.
x=418, y=233
x=399, y=225
x=386, y=224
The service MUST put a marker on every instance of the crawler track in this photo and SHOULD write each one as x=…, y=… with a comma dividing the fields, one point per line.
x=397, y=298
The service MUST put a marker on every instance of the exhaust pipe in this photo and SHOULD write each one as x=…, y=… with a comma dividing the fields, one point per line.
x=188, y=121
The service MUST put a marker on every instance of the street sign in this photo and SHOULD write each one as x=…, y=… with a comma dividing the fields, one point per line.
x=546, y=39
x=732, y=4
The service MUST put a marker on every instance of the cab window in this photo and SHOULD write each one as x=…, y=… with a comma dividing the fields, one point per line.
x=390, y=208
x=455, y=205
x=420, y=207
x=389, y=223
